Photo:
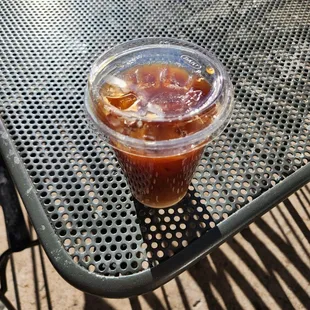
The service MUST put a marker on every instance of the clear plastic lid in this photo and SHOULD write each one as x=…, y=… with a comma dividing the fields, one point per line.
x=158, y=95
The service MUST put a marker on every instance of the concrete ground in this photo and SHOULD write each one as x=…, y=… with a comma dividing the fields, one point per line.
x=265, y=266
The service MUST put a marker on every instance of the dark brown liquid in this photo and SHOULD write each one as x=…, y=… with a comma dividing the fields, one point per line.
x=157, y=181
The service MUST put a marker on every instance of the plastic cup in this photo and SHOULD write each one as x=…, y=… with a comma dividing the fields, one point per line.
x=158, y=102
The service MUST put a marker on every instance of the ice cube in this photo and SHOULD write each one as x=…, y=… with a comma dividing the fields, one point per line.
x=154, y=109
x=169, y=102
x=148, y=77
x=117, y=83
x=114, y=87
x=192, y=97
x=123, y=102
x=113, y=120
x=134, y=107
x=176, y=78
x=202, y=85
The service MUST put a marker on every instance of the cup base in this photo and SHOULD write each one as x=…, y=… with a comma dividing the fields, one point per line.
x=163, y=205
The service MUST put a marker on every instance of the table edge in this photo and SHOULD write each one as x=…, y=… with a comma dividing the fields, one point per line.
x=142, y=282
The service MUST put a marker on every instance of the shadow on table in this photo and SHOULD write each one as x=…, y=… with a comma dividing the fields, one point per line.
x=166, y=232
x=215, y=273
x=268, y=276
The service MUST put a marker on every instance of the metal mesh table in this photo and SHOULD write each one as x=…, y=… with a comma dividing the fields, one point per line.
x=96, y=236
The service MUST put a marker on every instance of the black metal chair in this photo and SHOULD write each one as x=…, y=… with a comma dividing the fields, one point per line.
x=17, y=233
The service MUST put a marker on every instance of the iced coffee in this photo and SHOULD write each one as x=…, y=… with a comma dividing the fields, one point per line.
x=157, y=106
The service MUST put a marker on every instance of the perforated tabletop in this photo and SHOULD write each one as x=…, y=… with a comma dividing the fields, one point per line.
x=96, y=236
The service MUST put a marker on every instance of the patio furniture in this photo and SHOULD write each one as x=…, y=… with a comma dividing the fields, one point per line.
x=97, y=237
